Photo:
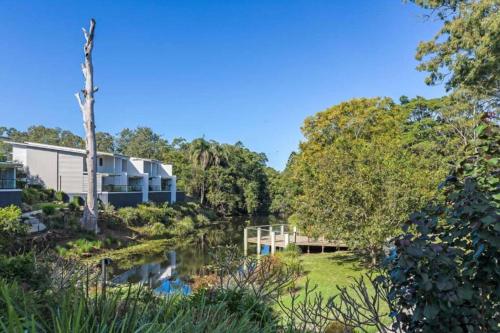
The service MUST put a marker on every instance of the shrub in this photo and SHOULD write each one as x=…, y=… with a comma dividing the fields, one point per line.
x=77, y=201
x=79, y=247
x=210, y=214
x=291, y=258
x=202, y=219
x=72, y=207
x=24, y=268
x=155, y=229
x=60, y=196
x=125, y=310
x=151, y=214
x=238, y=303
x=183, y=227
x=10, y=221
x=444, y=268
x=108, y=215
x=129, y=215
x=48, y=209
x=32, y=195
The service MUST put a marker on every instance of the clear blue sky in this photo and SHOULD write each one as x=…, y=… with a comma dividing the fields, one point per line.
x=229, y=70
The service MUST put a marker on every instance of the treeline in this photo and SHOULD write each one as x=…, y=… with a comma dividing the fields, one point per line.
x=229, y=178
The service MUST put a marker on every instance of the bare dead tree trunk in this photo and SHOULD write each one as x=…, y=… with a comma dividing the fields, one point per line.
x=86, y=103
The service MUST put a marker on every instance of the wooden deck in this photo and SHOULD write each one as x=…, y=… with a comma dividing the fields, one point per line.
x=300, y=241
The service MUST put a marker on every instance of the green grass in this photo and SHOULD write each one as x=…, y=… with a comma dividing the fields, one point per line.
x=326, y=271
x=133, y=255
x=330, y=269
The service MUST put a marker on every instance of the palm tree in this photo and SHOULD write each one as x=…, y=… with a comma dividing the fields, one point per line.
x=204, y=155
x=199, y=153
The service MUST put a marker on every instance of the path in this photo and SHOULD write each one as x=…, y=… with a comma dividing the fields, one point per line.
x=32, y=220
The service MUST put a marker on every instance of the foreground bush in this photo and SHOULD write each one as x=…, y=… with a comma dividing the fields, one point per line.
x=24, y=269
x=445, y=269
x=75, y=310
x=48, y=209
x=10, y=222
x=32, y=195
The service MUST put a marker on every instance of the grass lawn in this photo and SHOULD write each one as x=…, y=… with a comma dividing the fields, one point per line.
x=328, y=270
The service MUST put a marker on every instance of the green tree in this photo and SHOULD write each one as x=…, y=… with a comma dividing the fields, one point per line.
x=46, y=135
x=444, y=269
x=465, y=51
x=105, y=142
x=141, y=142
x=357, y=170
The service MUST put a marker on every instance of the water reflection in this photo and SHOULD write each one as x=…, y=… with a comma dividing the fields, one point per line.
x=162, y=277
x=172, y=271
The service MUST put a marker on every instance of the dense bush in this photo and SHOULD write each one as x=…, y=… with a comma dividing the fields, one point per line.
x=10, y=221
x=48, y=209
x=150, y=214
x=77, y=201
x=129, y=215
x=155, y=230
x=32, y=195
x=25, y=269
x=79, y=247
x=60, y=196
x=239, y=303
x=132, y=310
x=444, y=269
x=183, y=227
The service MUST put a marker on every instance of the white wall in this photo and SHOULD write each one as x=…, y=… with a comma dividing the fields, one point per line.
x=135, y=167
x=42, y=164
x=165, y=170
x=19, y=155
x=71, y=172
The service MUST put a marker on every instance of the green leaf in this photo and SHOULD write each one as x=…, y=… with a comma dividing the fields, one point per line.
x=465, y=292
x=431, y=311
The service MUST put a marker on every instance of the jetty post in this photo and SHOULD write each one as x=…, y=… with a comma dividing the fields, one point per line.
x=259, y=232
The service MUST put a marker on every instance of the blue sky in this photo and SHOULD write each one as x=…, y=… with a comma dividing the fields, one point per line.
x=247, y=71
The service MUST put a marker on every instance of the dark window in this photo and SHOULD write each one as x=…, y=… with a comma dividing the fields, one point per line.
x=84, y=164
x=100, y=161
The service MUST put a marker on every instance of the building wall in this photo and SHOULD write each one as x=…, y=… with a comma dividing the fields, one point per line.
x=10, y=197
x=135, y=167
x=41, y=166
x=159, y=197
x=165, y=170
x=70, y=172
x=19, y=155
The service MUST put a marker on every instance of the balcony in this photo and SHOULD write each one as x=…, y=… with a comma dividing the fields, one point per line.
x=7, y=184
x=155, y=188
x=121, y=188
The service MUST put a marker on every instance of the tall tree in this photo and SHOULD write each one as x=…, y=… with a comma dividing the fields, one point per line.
x=465, y=52
x=105, y=142
x=358, y=172
x=90, y=213
x=141, y=142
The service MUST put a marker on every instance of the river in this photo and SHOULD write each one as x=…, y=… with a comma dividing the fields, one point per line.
x=177, y=264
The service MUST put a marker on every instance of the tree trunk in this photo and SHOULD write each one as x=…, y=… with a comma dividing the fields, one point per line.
x=90, y=213
x=374, y=256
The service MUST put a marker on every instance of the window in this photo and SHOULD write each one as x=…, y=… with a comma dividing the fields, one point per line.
x=84, y=164
x=124, y=165
x=100, y=161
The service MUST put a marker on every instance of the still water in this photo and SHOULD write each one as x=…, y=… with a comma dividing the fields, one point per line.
x=172, y=270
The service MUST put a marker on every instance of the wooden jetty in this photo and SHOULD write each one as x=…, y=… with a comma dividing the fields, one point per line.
x=280, y=235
